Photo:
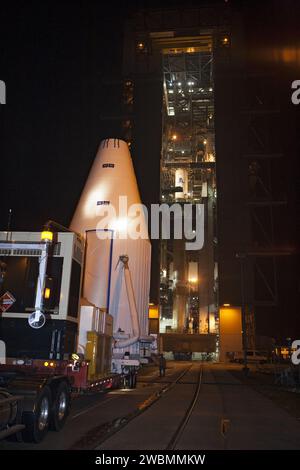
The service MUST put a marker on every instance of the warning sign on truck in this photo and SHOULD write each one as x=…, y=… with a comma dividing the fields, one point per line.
x=6, y=301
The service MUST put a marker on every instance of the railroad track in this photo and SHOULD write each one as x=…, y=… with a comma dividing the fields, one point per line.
x=102, y=433
x=183, y=423
x=152, y=381
x=179, y=380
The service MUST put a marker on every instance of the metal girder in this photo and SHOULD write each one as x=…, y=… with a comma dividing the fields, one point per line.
x=266, y=276
x=189, y=97
x=262, y=151
x=188, y=67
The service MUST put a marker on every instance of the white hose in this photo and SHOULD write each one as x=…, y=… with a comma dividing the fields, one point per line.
x=147, y=338
x=124, y=343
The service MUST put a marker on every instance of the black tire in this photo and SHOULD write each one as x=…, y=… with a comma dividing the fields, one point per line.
x=134, y=380
x=124, y=382
x=61, y=407
x=37, y=422
x=132, y=377
x=131, y=380
x=127, y=381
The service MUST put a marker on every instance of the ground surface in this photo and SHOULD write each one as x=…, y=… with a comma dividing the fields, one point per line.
x=231, y=412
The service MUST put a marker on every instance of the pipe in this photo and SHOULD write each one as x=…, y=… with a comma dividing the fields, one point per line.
x=119, y=335
x=124, y=343
x=147, y=338
x=39, y=296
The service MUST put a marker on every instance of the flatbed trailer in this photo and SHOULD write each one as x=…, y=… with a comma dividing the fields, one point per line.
x=44, y=368
x=37, y=395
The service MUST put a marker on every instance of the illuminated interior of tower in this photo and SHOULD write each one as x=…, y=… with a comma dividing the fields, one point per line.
x=188, y=278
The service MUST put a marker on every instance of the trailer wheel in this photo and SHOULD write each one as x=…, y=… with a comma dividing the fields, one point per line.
x=37, y=422
x=131, y=380
x=61, y=407
x=134, y=380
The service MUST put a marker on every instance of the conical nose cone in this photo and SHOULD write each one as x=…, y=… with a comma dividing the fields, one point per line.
x=111, y=176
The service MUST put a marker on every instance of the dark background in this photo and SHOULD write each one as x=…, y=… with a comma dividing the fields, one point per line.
x=55, y=59
x=53, y=56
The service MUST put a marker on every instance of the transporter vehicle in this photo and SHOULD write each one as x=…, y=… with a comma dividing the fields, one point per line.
x=253, y=356
x=73, y=305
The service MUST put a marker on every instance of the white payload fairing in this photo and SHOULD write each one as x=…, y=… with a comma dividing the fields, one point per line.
x=110, y=217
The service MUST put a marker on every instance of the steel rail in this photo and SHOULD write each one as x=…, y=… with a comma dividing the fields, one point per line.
x=180, y=429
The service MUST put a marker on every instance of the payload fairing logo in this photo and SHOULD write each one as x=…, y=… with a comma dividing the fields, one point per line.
x=2, y=92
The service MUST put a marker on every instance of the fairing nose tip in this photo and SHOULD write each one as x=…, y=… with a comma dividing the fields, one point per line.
x=113, y=143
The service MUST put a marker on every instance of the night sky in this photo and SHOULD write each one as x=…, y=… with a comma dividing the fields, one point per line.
x=54, y=58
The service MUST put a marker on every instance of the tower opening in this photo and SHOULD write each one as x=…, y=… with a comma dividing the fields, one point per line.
x=188, y=278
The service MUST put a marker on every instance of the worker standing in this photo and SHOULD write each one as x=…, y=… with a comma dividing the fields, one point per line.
x=162, y=365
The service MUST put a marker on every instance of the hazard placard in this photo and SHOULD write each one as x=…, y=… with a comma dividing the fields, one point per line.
x=6, y=301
